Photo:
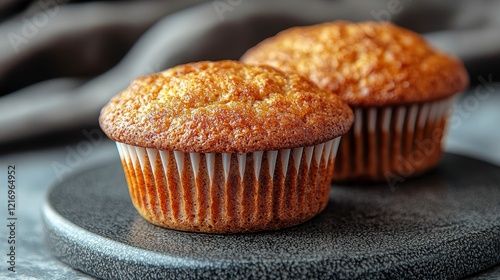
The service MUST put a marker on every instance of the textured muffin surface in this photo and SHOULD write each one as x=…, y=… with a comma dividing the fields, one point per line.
x=368, y=63
x=224, y=107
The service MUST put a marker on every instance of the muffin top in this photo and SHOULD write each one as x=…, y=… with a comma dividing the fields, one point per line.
x=367, y=63
x=224, y=107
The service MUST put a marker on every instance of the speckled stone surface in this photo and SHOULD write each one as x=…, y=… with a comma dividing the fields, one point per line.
x=445, y=224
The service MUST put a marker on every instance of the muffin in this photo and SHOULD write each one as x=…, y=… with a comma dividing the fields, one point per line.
x=399, y=87
x=224, y=147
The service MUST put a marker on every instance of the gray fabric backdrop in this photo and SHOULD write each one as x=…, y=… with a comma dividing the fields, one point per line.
x=61, y=61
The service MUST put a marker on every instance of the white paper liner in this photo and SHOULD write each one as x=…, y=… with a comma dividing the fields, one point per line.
x=399, y=141
x=221, y=192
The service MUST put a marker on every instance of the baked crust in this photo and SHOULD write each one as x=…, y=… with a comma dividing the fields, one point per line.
x=367, y=63
x=224, y=107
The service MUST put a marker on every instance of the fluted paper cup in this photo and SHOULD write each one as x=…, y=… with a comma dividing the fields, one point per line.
x=229, y=193
x=392, y=143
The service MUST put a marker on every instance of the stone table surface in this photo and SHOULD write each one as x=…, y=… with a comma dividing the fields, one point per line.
x=474, y=131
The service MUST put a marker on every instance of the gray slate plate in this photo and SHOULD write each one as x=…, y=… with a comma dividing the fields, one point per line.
x=445, y=224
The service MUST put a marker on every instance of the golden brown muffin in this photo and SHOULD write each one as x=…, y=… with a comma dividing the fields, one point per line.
x=399, y=87
x=225, y=147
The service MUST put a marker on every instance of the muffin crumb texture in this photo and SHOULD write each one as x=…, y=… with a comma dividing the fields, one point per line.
x=224, y=107
x=367, y=63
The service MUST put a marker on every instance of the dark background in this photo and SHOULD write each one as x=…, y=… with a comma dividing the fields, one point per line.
x=62, y=60
x=80, y=53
